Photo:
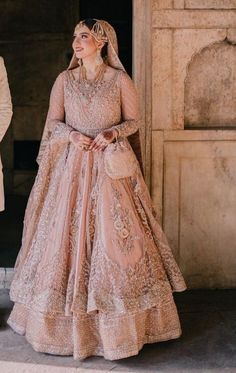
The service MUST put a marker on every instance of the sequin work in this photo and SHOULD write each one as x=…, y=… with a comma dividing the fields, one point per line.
x=95, y=274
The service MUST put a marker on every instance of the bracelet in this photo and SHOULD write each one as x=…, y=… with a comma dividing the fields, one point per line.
x=117, y=133
x=71, y=132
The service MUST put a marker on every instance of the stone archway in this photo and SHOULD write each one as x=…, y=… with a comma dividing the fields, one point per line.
x=210, y=88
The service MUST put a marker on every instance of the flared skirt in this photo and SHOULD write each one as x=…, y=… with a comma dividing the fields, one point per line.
x=95, y=274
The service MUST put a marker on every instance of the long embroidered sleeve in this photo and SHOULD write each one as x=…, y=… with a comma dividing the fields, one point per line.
x=56, y=113
x=5, y=100
x=129, y=107
x=55, y=127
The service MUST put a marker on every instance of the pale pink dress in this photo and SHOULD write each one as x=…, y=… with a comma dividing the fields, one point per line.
x=95, y=274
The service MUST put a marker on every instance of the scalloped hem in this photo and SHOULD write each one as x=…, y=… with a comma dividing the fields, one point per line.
x=111, y=355
x=112, y=336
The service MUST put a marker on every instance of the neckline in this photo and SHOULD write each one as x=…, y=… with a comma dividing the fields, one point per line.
x=116, y=73
x=101, y=70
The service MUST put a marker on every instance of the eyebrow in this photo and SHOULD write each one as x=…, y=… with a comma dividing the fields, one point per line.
x=82, y=33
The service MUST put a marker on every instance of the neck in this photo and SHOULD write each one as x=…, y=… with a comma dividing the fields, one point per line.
x=90, y=65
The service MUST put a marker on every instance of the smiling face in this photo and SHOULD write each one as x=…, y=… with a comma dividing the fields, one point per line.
x=84, y=44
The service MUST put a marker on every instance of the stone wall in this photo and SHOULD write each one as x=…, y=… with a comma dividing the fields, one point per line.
x=193, y=135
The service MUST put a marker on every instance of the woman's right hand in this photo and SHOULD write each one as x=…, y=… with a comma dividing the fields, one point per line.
x=79, y=140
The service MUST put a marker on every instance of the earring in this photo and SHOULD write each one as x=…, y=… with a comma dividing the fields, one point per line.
x=98, y=59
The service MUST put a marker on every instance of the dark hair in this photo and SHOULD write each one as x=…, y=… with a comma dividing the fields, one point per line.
x=90, y=22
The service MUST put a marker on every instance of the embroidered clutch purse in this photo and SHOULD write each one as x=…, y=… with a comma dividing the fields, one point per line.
x=120, y=160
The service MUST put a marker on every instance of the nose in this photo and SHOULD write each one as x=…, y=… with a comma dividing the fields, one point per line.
x=76, y=42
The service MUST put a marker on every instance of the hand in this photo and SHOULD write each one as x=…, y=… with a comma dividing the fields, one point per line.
x=103, y=139
x=80, y=141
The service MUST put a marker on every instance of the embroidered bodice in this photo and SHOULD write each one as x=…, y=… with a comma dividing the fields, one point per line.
x=114, y=105
x=103, y=111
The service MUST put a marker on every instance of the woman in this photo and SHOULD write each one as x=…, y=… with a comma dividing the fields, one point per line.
x=95, y=274
x=5, y=117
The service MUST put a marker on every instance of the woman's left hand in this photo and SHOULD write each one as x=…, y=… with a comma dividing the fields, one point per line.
x=103, y=139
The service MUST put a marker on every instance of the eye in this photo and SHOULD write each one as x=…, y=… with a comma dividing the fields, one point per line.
x=84, y=36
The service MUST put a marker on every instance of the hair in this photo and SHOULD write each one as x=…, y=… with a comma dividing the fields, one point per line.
x=90, y=22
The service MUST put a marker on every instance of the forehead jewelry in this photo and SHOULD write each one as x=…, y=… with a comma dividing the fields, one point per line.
x=97, y=31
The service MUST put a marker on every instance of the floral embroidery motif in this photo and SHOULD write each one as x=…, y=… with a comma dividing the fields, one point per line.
x=122, y=223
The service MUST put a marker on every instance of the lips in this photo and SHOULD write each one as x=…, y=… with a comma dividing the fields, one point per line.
x=79, y=49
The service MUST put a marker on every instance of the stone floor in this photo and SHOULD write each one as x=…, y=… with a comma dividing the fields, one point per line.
x=208, y=342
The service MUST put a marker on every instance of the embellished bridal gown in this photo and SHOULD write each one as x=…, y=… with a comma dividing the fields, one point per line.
x=95, y=274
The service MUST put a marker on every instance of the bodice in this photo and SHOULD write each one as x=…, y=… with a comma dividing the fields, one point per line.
x=101, y=112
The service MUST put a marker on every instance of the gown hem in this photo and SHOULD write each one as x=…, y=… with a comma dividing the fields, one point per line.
x=57, y=350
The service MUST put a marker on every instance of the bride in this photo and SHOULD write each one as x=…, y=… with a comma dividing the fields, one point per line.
x=95, y=274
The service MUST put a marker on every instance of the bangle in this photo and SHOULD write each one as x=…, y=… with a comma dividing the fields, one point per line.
x=117, y=133
x=71, y=132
